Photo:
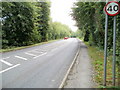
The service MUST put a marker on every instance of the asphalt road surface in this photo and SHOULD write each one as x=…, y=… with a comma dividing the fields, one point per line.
x=42, y=66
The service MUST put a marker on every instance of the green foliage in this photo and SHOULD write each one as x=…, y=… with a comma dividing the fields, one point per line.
x=17, y=23
x=26, y=23
x=59, y=30
x=89, y=21
x=43, y=19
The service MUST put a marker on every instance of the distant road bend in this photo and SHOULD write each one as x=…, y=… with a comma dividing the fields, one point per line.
x=42, y=66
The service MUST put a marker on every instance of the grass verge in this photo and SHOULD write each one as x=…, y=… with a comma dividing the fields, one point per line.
x=97, y=57
x=23, y=47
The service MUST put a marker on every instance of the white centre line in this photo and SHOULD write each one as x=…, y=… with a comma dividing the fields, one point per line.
x=9, y=68
x=5, y=62
x=21, y=57
x=30, y=54
x=40, y=55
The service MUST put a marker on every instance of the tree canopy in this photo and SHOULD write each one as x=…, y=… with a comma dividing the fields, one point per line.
x=26, y=23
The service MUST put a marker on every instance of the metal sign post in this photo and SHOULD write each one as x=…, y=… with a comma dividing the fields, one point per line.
x=105, y=49
x=114, y=51
x=112, y=8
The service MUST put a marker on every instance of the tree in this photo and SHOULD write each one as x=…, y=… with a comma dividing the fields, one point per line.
x=44, y=20
x=17, y=23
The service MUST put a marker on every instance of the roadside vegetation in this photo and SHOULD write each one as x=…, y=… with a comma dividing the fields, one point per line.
x=8, y=49
x=90, y=19
x=29, y=23
x=97, y=56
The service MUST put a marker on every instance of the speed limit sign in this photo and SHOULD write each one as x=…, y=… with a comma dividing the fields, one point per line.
x=112, y=8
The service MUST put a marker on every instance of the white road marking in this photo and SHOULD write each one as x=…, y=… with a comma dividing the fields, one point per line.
x=36, y=51
x=21, y=57
x=40, y=55
x=32, y=50
x=30, y=54
x=5, y=62
x=42, y=52
x=9, y=68
x=53, y=80
x=6, y=58
x=54, y=49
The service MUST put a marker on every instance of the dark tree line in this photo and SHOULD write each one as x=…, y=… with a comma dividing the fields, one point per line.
x=90, y=19
x=26, y=23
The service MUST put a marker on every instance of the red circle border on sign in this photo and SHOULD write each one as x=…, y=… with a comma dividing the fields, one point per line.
x=112, y=14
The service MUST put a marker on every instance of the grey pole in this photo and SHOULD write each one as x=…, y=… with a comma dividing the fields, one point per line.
x=105, y=49
x=114, y=52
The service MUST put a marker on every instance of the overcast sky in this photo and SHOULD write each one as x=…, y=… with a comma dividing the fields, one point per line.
x=60, y=11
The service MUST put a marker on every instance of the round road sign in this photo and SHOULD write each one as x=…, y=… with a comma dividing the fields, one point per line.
x=112, y=8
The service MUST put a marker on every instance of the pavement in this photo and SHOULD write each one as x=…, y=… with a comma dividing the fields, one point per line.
x=42, y=66
x=82, y=73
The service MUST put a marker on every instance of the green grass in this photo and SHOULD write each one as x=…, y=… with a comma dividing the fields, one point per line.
x=97, y=57
x=18, y=48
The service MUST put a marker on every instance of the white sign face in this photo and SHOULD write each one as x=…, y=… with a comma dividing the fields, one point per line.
x=112, y=8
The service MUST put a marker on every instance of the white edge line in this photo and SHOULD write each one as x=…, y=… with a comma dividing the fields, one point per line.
x=68, y=71
x=5, y=62
x=40, y=55
x=9, y=68
x=21, y=57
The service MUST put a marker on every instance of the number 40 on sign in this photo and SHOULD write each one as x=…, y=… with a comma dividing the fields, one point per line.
x=112, y=8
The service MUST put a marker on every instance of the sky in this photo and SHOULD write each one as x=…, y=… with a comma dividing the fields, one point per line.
x=60, y=12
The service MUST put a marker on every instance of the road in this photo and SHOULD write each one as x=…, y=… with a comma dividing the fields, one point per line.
x=42, y=66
